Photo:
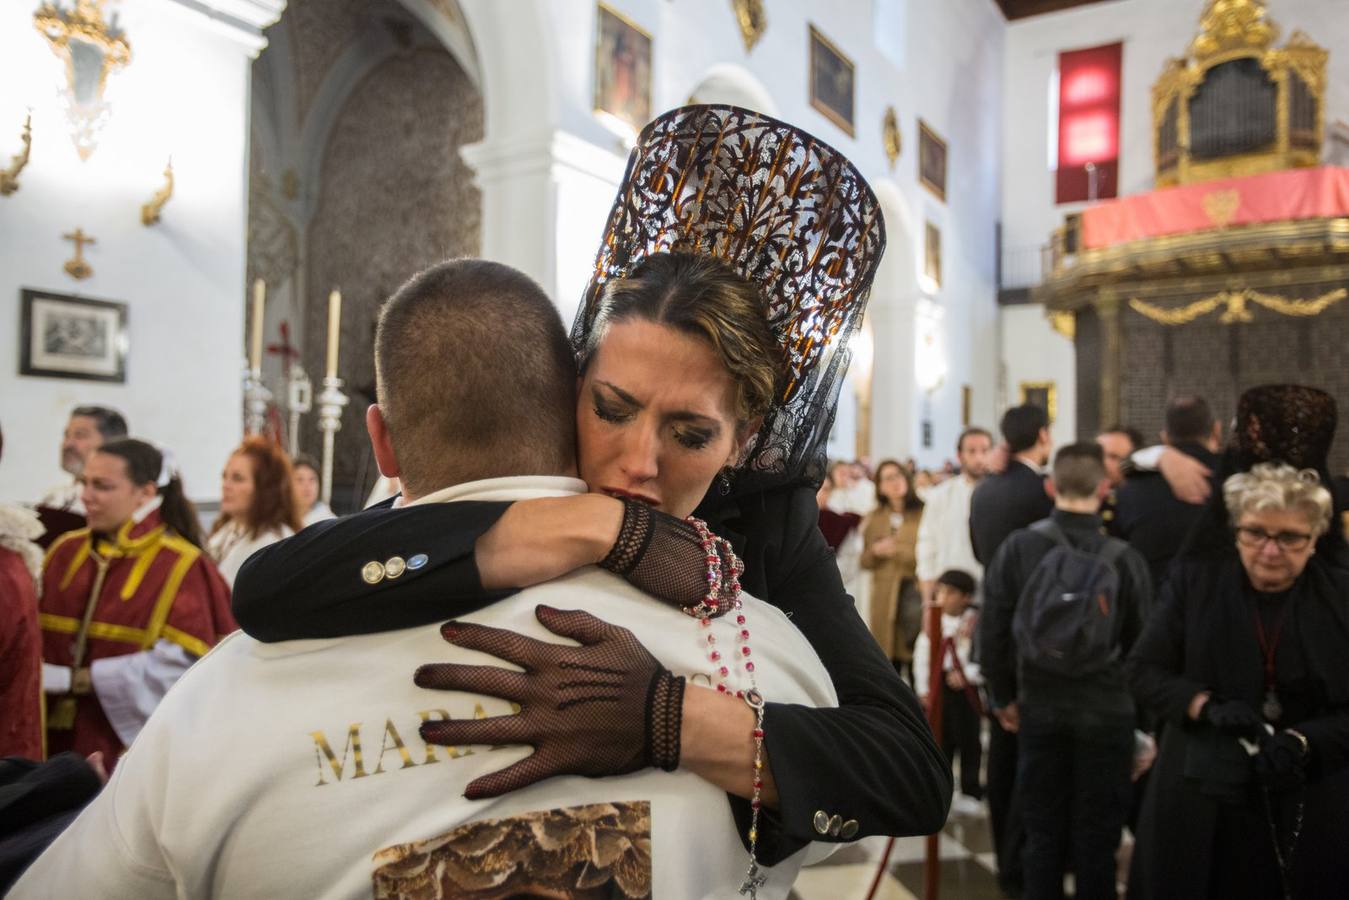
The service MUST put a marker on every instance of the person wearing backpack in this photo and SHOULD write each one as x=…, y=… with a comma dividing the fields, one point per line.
x=1063, y=604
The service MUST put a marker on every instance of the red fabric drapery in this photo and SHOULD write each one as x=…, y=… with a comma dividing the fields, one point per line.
x=1272, y=197
x=1089, y=97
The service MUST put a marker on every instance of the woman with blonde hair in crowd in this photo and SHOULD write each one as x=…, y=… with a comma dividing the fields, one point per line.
x=257, y=504
x=890, y=551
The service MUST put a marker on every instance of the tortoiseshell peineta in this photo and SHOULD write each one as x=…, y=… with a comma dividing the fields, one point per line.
x=787, y=212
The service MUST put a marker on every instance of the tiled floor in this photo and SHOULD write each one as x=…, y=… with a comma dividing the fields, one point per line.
x=966, y=865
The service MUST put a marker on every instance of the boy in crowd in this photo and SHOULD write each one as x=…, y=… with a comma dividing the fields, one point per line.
x=962, y=712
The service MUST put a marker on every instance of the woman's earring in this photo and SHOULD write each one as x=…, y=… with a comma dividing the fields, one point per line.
x=724, y=480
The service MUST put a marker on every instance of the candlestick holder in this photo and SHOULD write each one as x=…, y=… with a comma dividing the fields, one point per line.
x=331, y=401
x=299, y=400
x=256, y=399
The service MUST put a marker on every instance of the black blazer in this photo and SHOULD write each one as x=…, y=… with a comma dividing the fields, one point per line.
x=1152, y=520
x=872, y=760
x=1003, y=503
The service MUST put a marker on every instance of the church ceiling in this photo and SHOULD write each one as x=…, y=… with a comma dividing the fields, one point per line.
x=1022, y=9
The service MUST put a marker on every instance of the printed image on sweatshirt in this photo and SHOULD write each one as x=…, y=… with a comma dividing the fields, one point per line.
x=597, y=852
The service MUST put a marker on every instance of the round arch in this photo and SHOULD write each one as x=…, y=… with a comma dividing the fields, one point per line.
x=729, y=83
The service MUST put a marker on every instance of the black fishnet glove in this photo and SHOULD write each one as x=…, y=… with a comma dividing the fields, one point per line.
x=1235, y=718
x=607, y=707
x=664, y=557
x=1281, y=763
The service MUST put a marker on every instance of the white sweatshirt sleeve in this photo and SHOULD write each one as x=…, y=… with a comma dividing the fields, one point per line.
x=109, y=850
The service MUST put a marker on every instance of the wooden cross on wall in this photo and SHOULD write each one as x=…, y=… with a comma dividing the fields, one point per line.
x=77, y=267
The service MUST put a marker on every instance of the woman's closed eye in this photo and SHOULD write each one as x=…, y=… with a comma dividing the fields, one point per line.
x=693, y=438
x=609, y=413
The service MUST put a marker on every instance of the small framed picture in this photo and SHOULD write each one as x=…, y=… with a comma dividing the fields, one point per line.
x=932, y=253
x=1043, y=394
x=72, y=337
x=832, y=82
x=931, y=160
x=622, y=69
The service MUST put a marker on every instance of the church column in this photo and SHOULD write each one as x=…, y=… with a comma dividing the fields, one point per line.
x=894, y=389
x=1108, y=308
x=545, y=200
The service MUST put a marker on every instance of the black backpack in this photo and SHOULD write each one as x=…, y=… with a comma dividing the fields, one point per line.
x=1067, y=616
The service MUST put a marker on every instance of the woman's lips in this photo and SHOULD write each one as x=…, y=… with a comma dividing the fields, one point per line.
x=631, y=495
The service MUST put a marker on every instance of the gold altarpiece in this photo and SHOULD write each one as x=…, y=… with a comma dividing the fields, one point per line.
x=1216, y=310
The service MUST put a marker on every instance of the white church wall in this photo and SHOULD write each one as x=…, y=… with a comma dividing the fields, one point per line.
x=1152, y=32
x=185, y=95
x=1032, y=351
x=941, y=62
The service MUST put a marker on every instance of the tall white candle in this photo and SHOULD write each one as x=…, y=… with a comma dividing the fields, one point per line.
x=334, y=330
x=255, y=346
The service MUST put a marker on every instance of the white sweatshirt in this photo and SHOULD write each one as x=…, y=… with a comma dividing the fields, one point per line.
x=296, y=770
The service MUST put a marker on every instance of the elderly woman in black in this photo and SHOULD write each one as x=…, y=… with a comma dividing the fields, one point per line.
x=1244, y=663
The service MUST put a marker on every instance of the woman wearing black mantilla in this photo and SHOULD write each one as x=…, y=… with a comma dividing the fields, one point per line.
x=752, y=240
x=1243, y=661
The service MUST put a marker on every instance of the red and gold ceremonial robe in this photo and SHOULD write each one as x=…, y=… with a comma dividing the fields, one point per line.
x=20, y=660
x=109, y=597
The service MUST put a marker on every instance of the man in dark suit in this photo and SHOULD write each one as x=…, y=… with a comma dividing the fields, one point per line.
x=1147, y=512
x=1015, y=497
x=1006, y=502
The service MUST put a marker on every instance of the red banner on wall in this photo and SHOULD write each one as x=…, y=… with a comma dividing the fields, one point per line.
x=1089, y=99
x=1273, y=197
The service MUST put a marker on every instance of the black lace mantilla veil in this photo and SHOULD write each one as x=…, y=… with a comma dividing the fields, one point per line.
x=1288, y=423
x=787, y=212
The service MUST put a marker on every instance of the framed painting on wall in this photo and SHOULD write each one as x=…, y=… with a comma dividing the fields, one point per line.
x=622, y=68
x=832, y=82
x=72, y=337
x=932, y=253
x=931, y=161
x=1043, y=394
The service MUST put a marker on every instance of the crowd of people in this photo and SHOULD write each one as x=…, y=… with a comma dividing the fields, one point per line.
x=288, y=703
x=1118, y=629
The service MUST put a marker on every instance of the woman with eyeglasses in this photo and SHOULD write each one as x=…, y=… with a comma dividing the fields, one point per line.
x=1243, y=663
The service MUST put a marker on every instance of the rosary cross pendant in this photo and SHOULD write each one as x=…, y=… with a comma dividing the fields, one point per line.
x=753, y=881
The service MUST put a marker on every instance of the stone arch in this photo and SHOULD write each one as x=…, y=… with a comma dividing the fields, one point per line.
x=361, y=109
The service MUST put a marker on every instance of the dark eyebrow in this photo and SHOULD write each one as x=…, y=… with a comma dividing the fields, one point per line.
x=622, y=394
x=682, y=416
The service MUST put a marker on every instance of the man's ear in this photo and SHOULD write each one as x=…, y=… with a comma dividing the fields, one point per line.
x=380, y=442
x=1051, y=490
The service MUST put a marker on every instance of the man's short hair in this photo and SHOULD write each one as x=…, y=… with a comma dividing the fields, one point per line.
x=475, y=377
x=958, y=579
x=972, y=431
x=110, y=423
x=1133, y=434
x=1189, y=420
x=1021, y=426
x=1078, y=470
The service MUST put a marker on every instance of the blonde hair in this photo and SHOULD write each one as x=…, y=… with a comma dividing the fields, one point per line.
x=1278, y=487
